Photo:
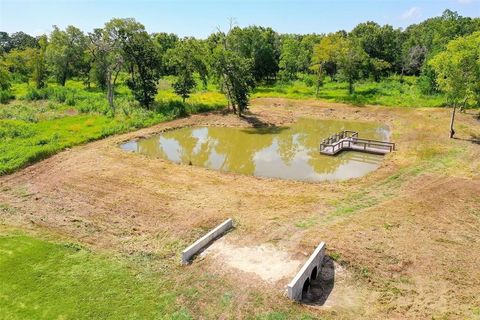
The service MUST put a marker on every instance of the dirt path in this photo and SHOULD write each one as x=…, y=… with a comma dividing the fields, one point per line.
x=408, y=233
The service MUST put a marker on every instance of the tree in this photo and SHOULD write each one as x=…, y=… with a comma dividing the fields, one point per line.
x=141, y=59
x=65, y=52
x=19, y=63
x=39, y=65
x=433, y=34
x=413, y=61
x=184, y=84
x=99, y=62
x=187, y=58
x=106, y=47
x=294, y=58
x=259, y=44
x=165, y=42
x=325, y=55
x=21, y=40
x=383, y=46
x=351, y=61
x=458, y=73
x=236, y=76
x=5, y=42
x=124, y=44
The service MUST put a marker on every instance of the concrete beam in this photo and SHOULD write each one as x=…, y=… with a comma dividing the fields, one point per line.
x=206, y=240
x=307, y=273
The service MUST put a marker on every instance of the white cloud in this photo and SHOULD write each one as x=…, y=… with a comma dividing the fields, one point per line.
x=413, y=13
x=464, y=1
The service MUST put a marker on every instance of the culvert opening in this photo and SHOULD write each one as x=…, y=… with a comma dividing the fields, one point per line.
x=319, y=285
x=313, y=275
x=306, y=286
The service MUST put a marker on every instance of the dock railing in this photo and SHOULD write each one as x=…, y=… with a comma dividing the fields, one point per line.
x=369, y=143
x=335, y=139
x=348, y=139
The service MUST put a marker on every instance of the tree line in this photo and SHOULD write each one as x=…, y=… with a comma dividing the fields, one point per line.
x=241, y=58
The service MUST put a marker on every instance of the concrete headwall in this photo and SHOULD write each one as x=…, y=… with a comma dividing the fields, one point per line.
x=307, y=273
x=205, y=240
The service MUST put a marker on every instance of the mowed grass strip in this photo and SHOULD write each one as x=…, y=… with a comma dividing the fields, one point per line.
x=46, y=280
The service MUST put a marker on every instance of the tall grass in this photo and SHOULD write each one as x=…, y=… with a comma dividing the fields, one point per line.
x=393, y=91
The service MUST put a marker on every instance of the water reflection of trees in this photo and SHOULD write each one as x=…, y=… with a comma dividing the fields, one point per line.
x=233, y=149
x=239, y=147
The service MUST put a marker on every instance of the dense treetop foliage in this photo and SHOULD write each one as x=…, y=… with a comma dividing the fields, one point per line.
x=241, y=58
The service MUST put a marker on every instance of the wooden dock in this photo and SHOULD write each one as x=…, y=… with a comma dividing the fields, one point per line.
x=349, y=140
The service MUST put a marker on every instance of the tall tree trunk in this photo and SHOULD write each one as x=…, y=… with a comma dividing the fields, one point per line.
x=229, y=93
x=110, y=91
x=452, y=131
x=319, y=82
x=63, y=80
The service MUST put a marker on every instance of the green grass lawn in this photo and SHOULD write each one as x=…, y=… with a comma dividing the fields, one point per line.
x=49, y=280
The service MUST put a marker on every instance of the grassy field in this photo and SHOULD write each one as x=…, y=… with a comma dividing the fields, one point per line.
x=44, y=277
x=60, y=280
x=388, y=92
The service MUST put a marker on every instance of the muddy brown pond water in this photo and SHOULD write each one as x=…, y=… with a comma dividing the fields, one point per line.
x=287, y=152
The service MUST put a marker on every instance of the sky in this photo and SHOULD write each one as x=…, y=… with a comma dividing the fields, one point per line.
x=200, y=18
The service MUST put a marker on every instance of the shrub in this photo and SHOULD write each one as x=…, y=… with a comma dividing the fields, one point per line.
x=70, y=100
x=5, y=96
x=426, y=82
x=36, y=94
x=91, y=104
x=59, y=94
x=308, y=79
x=172, y=109
x=5, y=78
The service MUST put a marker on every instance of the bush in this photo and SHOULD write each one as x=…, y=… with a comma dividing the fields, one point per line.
x=70, y=100
x=91, y=104
x=426, y=82
x=5, y=79
x=63, y=95
x=60, y=94
x=173, y=109
x=5, y=96
x=36, y=94
x=308, y=79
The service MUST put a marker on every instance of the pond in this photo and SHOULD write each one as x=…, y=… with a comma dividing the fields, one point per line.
x=289, y=152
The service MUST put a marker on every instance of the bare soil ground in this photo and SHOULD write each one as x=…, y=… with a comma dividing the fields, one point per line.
x=405, y=238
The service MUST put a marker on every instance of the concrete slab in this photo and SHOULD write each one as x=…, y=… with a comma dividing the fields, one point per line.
x=309, y=271
x=206, y=240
